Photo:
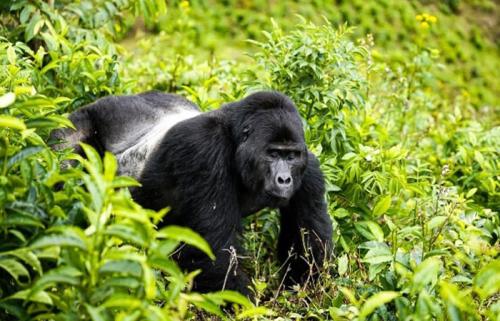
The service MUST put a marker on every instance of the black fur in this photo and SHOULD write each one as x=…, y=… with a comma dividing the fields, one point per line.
x=215, y=168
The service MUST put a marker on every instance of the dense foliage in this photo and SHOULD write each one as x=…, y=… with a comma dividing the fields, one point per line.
x=400, y=105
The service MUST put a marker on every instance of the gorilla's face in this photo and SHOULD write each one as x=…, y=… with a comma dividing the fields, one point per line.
x=271, y=156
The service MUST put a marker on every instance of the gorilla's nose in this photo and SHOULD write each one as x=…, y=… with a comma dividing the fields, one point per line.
x=283, y=180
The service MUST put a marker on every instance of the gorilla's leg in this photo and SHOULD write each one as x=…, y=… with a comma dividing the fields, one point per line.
x=223, y=273
x=305, y=238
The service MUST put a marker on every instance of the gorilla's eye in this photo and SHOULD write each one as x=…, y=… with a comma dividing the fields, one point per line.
x=292, y=155
x=273, y=153
x=246, y=133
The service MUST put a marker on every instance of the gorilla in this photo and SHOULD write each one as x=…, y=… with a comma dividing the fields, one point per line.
x=214, y=168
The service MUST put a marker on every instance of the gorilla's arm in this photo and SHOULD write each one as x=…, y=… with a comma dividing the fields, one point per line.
x=193, y=172
x=306, y=228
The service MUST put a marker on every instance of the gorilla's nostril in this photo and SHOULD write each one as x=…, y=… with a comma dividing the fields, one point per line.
x=284, y=181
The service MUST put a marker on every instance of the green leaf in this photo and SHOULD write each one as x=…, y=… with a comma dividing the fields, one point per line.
x=23, y=154
x=487, y=280
x=377, y=255
x=375, y=301
x=124, y=181
x=110, y=166
x=149, y=281
x=436, y=221
x=254, y=312
x=59, y=275
x=59, y=240
x=95, y=313
x=7, y=100
x=14, y=268
x=230, y=296
x=471, y=192
x=29, y=258
x=21, y=219
x=11, y=57
x=121, y=266
x=27, y=295
x=370, y=230
x=426, y=272
x=92, y=156
x=341, y=213
x=187, y=236
x=382, y=205
x=343, y=264
x=12, y=122
x=127, y=233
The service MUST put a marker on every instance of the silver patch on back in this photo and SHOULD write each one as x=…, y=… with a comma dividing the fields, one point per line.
x=132, y=160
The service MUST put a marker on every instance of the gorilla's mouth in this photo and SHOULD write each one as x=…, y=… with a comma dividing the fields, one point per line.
x=277, y=199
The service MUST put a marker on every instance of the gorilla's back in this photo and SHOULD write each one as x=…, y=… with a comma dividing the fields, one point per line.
x=132, y=126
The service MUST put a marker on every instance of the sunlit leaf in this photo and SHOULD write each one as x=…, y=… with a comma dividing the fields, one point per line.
x=376, y=301
x=187, y=236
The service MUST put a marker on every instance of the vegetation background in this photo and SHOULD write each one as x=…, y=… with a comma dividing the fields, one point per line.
x=400, y=101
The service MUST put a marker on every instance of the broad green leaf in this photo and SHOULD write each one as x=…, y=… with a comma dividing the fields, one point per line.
x=436, y=221
x=93, y=157
x=95, y=313
x=127, y=233
x=7, y=100
x=370, y=230
x=375, y=301
x=122, y=266
x=454, y=296
x=378, y=255
x=471, y=192
x=59, y=240
x=187, y=236
x=110, y=166
x=122, y=301
x=14, y=268
x=23, y=154
x=149, y=281
x=254, y=312
x=21, y=219
x=382, y=205
x=28, y=257
x=202, y=302
x=487, y=280
x=343, y=264
x=230, y=296
x=11, y=57
x=426, y=272
x=12, y=122
x=341, y=213
x=349, y=295
x=27, y=295
x=124, y=181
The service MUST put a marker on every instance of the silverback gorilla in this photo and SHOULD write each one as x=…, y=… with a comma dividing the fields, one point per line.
x=214, y=168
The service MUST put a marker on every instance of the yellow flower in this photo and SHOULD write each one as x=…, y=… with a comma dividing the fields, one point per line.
x=426, y=19
x=184, y=4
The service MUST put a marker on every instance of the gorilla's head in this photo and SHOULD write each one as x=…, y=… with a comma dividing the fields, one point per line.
x=271, y=154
